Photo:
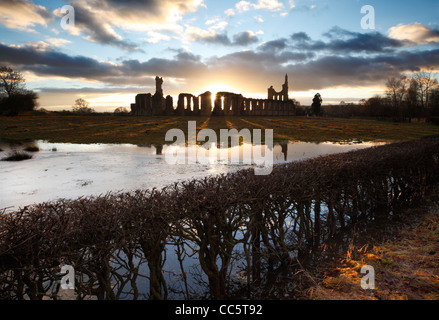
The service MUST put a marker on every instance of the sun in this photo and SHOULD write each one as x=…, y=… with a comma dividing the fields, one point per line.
x=216, y=87
x=221, y=87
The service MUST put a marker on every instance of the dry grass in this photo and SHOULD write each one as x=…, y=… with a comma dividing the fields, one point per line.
x=406, y=268
x=151, y=130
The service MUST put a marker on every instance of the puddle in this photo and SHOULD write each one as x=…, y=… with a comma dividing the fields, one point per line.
x=68, y=171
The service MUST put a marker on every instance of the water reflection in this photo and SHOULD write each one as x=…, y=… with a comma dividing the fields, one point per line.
x=68, y=171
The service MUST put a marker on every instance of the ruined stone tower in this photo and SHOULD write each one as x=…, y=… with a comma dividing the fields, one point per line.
x=281, y=95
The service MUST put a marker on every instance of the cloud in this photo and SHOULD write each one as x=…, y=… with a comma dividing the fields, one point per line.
x=300, y=37
x=306, y=6
x=57, y=42
x=291, y=4
x=243, y=6
x=344, y=41
x=258, y=19
x=23, y=15
x=339, y=61
x=96, y=28
x=140, y=11
x=244, y=38
x=417, y=33
x=274, y=45
x=229, y=12
x=101, y=20
x=271, y=5
x=155, y=37
x=211, y=36
x=50, y=62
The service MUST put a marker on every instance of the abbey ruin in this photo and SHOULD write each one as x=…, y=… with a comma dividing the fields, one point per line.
x=225, y=103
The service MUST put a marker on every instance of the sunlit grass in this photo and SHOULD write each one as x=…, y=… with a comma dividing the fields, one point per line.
x=405, y=268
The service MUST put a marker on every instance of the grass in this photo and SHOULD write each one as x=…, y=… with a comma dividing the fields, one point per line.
x=55, y=127
x=406, y=265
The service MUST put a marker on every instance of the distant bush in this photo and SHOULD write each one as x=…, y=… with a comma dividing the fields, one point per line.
x=32, y=148
x=14, y=97
x=121, y=111
x=19, y=102
x=81, y=106
x=17, y=156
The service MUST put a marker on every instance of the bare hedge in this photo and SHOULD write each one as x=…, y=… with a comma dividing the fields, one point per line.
x=261, y=223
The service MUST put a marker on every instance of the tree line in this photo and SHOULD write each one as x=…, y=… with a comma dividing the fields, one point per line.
x=406, y=97
x=14, y=97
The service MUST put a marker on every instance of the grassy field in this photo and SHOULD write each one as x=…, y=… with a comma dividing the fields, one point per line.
x=55, y=127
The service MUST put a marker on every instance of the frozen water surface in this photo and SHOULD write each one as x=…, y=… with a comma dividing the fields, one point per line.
x=68, y=171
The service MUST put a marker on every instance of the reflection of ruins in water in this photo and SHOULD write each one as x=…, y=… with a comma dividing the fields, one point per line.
x=225, y=103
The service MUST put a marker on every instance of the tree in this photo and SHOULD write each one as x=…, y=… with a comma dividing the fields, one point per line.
x=425, y=83
x=316, y=104
x=121, y=110
x=435, y=102
x=12, y=82
x=397, y=90
x=82, y=106
x=13, y=94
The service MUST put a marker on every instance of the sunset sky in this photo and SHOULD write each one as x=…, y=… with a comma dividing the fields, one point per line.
x=118, y=47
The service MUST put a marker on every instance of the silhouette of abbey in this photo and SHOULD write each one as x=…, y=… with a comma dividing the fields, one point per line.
x=225, y=103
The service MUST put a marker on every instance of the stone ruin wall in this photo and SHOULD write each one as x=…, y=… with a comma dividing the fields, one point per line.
x=225, y=103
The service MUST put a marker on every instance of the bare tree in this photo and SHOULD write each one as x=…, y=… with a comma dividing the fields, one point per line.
x=82, y=106
x=425, y=82
x=11, y=82
x=121, y=110
x=396, y=91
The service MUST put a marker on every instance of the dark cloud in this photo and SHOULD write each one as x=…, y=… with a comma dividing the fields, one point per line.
x=344, y=41
x=239, y=39
x=101, y=20
x=300, y=36
x=51, y=62
x=244, y=39
x=97, y=30
x=279, y=44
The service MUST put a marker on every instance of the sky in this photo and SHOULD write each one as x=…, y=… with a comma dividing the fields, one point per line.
x=116, y=48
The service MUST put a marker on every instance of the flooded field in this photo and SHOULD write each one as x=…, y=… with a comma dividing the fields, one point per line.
x=69, y=171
